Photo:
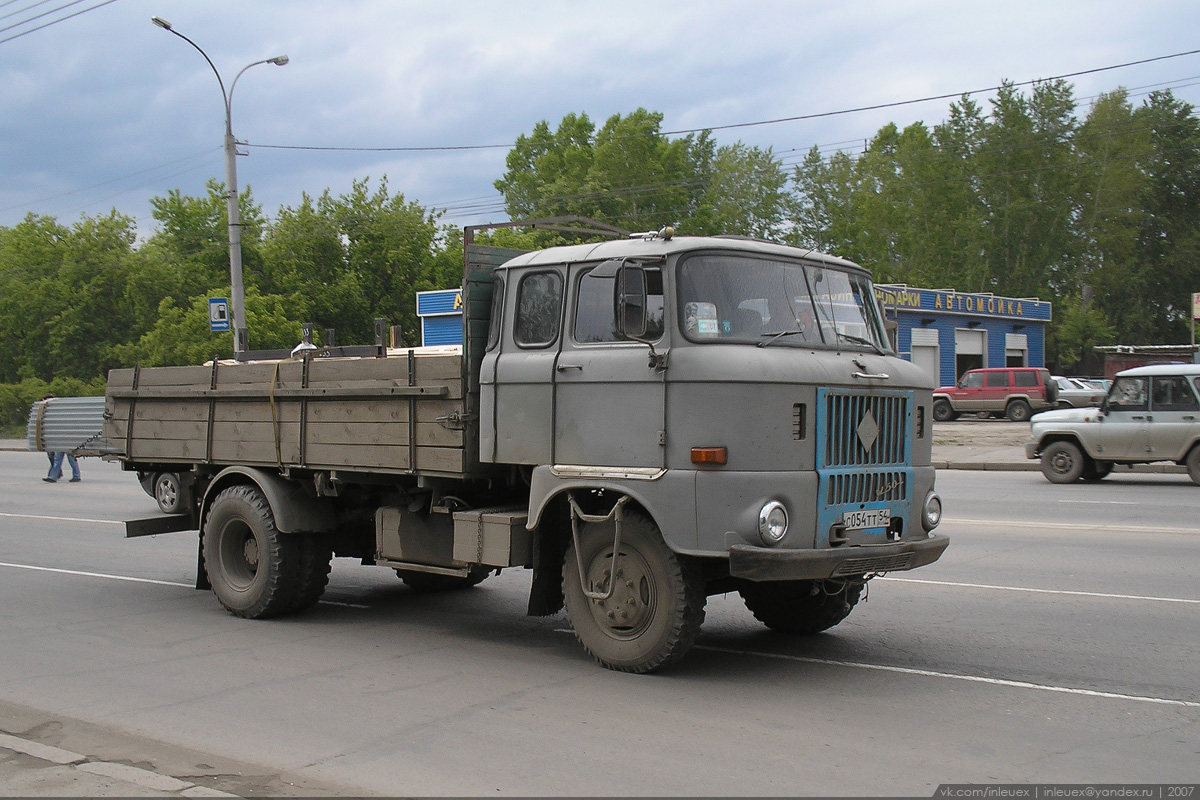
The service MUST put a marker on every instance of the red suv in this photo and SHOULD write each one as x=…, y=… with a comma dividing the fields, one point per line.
x=1015, y=392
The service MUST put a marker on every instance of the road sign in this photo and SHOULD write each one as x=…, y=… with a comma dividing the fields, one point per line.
x=218, y=313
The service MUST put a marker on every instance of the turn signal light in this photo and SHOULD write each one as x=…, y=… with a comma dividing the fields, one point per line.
x=708, y=455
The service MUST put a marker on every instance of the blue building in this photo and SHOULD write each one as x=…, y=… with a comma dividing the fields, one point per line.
x=947, y=332
x=440, y=313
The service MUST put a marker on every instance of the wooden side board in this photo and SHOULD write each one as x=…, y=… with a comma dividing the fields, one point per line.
x=342, y=414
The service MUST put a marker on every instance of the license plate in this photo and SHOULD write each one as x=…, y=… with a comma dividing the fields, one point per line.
x=867, y=518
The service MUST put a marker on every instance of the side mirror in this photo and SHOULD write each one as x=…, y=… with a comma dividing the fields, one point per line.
x=631, y=302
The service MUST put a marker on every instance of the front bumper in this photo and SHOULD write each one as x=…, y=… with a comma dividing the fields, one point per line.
x=771, y=564
x=1031, y=449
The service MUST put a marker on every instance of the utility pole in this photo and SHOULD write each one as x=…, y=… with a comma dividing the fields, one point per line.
x=238, y=301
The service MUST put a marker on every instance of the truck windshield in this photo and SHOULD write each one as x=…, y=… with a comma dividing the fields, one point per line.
x=746, y=299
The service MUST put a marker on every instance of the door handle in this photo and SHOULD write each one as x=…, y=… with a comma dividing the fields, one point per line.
x=1136, y=416
x=1189, y=416
x=565, y=367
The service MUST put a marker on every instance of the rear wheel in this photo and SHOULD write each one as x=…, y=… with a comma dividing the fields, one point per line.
x=253, y=568
x=656, y=605
x=1193, y=464
x=1063, y=462
x=943, y=411
x=1018, y=411
x=316, y=553
x=801, y=606
x=169, y=493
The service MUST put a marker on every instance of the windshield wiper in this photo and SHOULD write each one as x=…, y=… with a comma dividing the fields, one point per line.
x=773, y=335
x=859, y=340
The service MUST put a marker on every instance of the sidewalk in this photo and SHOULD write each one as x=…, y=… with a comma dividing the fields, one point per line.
x=39, y=770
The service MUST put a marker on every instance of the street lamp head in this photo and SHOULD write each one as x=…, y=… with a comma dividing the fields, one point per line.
x=278, y=61
x=162, y=23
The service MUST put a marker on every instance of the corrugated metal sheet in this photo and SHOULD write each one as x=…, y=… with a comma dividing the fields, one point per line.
x=68, y=424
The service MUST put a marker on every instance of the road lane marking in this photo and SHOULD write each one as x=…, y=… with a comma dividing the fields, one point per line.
x=1067, y=526
x=1042, y=687
x=1102, y=502
x=95, y=575
x=62, y=519
x=130, y=579
x=1042, y=591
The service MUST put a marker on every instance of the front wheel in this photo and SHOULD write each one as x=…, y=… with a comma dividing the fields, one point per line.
x=943, y=411
x=653, y=614
x=1018, y=411
x=254, y=569
x=801, y=606
x=1063, y=462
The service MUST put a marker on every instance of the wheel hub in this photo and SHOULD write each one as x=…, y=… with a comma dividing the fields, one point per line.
x=1062, y=463
x=250, y=553
x=627, y=611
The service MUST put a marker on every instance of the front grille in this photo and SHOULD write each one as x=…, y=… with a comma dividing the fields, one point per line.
x=865, y=429
x=862, y=566
x=866, y=487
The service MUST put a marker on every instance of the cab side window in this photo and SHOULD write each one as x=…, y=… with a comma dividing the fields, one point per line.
x=497, y=313
x=595, y=310
x=1172, y=394
x=972, y=380
x=539, y=307
x=1128, y=394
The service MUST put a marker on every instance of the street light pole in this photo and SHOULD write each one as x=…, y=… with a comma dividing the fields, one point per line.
x=238, y=301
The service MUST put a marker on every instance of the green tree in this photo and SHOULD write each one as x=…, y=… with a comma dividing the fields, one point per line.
x=181, y=335
x=1168, y=269
x=1025, y=165
x=745, y=193
x=626, y=174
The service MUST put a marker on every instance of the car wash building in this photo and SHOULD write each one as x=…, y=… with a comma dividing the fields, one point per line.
x=946, y=332
x=440, y=313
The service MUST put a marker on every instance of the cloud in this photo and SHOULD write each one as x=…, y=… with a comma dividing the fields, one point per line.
x=107, y=110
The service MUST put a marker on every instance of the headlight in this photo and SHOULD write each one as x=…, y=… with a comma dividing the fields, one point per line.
x=931, y=512
x=772, y=522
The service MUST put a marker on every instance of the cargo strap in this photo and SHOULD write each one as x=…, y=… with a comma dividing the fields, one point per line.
x=617, y=515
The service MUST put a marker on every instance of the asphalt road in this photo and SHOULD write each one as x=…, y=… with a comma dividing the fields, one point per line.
x=1057, y=641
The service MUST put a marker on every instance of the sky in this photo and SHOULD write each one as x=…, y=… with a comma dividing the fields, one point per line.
x=105, y=111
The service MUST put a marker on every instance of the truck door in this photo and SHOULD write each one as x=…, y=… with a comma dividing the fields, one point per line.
x=517, y=374
x=608, y=398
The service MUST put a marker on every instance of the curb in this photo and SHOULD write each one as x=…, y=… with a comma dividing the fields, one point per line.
x=143, y=778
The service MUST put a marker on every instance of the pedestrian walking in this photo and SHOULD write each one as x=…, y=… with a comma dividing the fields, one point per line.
x=56, y=468
x=56, y=465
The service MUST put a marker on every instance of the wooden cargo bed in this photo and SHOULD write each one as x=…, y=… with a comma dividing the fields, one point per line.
x=399, y=414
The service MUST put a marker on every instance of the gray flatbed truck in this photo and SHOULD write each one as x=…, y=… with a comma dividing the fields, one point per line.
x=642, y=423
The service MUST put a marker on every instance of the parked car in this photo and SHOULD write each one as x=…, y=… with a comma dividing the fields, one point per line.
x=1015, y=392
x=1076, y=393
x=1151, y=414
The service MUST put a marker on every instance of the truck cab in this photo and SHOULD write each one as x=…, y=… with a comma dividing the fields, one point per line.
x=741, y=395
